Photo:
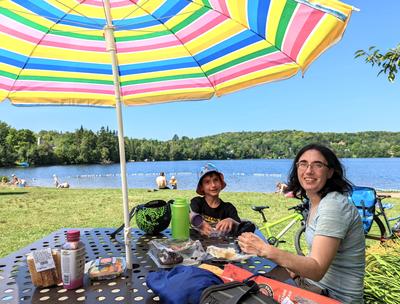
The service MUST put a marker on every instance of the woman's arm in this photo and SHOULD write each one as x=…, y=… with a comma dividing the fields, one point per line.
x=313, y=266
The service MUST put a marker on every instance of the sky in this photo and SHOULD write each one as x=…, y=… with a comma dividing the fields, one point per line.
x=337, y=94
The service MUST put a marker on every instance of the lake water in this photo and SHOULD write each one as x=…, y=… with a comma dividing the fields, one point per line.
x=259, y=175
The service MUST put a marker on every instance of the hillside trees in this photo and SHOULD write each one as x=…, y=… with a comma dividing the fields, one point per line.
x=87, y=147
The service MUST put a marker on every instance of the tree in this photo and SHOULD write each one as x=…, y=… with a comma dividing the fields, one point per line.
x=389, y=62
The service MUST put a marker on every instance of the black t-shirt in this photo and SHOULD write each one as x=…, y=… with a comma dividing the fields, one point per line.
x=225, y=210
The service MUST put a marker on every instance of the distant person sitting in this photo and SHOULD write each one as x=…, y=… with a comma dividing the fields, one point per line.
x=173, y=182
x=281, y=188
x=58, y=184
x=219, y=217
x=16, y=181
x=161, y=181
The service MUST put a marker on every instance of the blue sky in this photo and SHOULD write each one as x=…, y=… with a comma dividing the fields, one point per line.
x=337, y=94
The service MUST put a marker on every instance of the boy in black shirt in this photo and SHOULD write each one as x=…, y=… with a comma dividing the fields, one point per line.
x=219, y=217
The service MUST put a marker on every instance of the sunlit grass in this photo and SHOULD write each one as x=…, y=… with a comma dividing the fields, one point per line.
x=29, y=214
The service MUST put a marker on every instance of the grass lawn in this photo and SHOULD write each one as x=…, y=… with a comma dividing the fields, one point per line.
x=29, y=214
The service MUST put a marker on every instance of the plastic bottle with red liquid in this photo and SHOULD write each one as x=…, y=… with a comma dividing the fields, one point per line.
x=73, y=260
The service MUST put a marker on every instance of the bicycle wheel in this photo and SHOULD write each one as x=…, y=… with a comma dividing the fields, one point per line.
x=377, y=231
x=300, y=241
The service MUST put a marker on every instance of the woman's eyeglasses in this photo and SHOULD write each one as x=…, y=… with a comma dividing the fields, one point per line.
x=317, y=165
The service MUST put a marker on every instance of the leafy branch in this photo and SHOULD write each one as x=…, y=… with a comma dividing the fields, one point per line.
x=388, y=62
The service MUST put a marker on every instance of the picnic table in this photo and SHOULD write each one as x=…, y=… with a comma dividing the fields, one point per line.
x=16, y=285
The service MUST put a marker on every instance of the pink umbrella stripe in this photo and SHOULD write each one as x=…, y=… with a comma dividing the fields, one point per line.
x=63, y=87
x=162, y=86
x=114, y=3
x=251, y=66
x=220, y=5
x=201, y=26
x=299, y=31
x=6, y=83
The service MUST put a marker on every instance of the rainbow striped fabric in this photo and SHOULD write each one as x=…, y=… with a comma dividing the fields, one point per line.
x=53, y=52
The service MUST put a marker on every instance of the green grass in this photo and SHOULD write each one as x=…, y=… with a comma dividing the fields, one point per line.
x=29, y=214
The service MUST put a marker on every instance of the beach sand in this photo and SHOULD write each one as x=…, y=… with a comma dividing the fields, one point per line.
x=392, y=194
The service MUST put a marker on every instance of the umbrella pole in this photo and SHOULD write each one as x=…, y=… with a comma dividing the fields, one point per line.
x=110, y=45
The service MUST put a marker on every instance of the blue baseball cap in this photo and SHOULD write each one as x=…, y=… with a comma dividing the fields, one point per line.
x=208, y=169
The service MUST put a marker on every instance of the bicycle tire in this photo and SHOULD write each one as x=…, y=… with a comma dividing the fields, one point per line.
x=299, y=241
x=379, y=235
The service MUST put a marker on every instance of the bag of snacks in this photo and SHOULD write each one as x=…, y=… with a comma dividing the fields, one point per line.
x=107, y=268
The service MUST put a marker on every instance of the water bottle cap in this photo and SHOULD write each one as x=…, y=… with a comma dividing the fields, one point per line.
x=73, y=235
x=180, y=201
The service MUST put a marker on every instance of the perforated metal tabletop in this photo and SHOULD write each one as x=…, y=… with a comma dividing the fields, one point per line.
x=16, y=285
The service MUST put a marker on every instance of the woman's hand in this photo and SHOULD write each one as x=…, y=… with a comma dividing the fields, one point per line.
x=252, y=244
x=225, y=225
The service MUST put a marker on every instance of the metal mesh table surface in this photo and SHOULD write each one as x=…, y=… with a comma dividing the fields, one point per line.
x=16, y=285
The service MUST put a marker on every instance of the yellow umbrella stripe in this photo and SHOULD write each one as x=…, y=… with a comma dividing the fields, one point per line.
x=329, y=30
x=220, y=33
x=160, y=74
x=276, y=8
x=65, y=76
x=238, y=11
x=65, y=98
x=263, y=76
x=167, y=96
x=153, y=55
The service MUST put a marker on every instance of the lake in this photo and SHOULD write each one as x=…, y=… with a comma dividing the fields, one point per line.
x=259, y=175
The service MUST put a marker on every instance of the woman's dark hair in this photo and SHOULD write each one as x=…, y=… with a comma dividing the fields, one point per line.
x=338, y=182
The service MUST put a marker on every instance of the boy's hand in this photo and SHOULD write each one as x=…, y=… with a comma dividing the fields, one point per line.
x=225, y=225
x=205, y=229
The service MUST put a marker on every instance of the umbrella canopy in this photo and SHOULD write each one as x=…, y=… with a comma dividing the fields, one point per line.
x=104, y=52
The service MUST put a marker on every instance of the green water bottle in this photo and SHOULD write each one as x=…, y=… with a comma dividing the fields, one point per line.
x=180, y=219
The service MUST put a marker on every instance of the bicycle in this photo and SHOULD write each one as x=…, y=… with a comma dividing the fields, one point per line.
x=299, y=216
x=386, y=230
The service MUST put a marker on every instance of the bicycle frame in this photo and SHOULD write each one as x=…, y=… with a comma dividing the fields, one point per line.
x=266, y=227
x=381, y=212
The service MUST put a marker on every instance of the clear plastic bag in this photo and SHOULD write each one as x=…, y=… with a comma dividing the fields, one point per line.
x=192, y=252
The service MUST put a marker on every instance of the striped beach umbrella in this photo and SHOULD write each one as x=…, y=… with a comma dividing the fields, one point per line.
x=135, y=52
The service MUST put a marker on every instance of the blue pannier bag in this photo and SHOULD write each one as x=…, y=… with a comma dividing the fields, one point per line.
x=364, y=198
x=181, y=284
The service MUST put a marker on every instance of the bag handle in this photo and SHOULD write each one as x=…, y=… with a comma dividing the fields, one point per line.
x=133, y=211
x=253, y=288
x=131, y=214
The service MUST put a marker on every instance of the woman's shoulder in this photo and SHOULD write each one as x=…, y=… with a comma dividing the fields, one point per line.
x=336, y=201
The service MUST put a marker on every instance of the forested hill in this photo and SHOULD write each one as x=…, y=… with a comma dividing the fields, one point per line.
x=88, y=147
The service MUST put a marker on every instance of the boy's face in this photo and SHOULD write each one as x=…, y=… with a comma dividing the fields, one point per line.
x=211, y=184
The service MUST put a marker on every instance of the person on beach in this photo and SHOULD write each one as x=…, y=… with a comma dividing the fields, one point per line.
x=281, y=188
x=219, y=217
x=58, y=184
x=16, y=181
x=173, y=182
x=161, y=181
x=335, y=265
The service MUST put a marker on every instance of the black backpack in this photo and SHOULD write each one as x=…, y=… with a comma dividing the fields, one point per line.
x=246, y=292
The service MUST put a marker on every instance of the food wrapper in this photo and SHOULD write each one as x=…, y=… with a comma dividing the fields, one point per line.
x=226, y=254
x=106, y=268
x=48, y=277
x=191, y=251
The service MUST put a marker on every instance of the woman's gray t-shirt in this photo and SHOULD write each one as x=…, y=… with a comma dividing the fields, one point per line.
x=337, y=217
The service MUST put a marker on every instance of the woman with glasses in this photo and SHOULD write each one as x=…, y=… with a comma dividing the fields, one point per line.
x=335, y=265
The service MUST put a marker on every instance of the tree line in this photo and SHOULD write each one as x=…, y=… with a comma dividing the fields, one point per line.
x=88, y=147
